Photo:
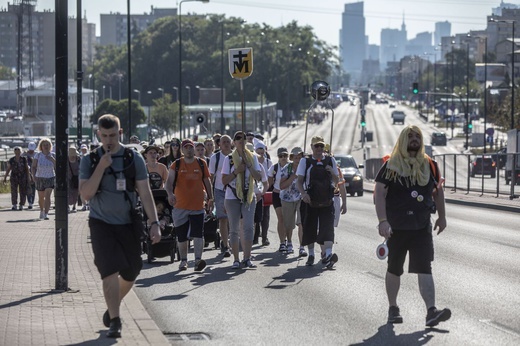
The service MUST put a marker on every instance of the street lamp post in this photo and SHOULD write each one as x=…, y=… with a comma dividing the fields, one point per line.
x=103, y=92
x=120, y=75
x=180, y=60
x=189, y=112
x=176, y=93
x=467, y=93
x=512, y=22
x=138, y=95
x=162, y=91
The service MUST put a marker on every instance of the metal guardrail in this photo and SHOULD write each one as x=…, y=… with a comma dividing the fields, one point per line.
x=456, y=169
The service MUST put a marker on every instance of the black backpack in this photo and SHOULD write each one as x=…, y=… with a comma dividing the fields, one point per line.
x=321, y=188
x=128, y=166
x=178, y=166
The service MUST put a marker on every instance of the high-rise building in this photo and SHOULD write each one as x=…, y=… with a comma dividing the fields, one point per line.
x=114, y=27
x=352, y=39
x=442, y=29
x=34, y=32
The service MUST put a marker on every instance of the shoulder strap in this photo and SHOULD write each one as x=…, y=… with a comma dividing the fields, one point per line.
x=275, y=171
x=201, y=164
x=177, y=163
x=217, y=159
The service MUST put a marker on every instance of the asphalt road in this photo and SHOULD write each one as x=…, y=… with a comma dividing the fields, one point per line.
x=285, y=302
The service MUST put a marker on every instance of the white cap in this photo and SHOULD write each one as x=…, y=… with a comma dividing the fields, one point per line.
x=83, y=146
x=31, y=146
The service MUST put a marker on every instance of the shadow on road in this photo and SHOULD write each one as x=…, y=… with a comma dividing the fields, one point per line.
x=386, y=336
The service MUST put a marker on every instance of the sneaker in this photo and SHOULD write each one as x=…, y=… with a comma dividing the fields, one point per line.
x=46, y=217
x=255, y=241
x=265, y=242
x=199, y=265
x=183, y=265
x=30, y=206
x=310, y=261
x=236, y=265
x=20, y=207
x=323, y=258
x=14, y=207
x=394, y=315
x=84, y=208
x=283, y=247
x=290, y=248
x=106, y=319
x=226, y=252
x=42, y=215
x=247, y=263
x=115, y=328
x=435, y=316
x=303, y=253
x=331, y=260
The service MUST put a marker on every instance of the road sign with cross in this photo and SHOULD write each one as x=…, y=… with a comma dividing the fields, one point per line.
x=241, y=62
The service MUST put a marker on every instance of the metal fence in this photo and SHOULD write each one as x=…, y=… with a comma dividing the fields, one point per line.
x=457, y=171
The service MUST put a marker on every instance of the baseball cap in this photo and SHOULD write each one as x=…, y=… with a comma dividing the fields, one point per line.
x=31, y=146
x=282, y=150
x=187, y=142
x=83, y=146
x=259, y=136
x=250, y=147
x=317, y=140
x=197, y=144
x=296, y=151
x=17, y=148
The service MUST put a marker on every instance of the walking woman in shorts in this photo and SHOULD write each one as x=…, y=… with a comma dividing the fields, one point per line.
x=44, y=173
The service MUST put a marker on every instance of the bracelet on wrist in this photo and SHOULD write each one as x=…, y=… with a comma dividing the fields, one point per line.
x=154, y=223
x=382, y=220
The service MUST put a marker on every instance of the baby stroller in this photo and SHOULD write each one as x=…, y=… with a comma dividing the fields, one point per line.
x=168, y=244
x=211, y=233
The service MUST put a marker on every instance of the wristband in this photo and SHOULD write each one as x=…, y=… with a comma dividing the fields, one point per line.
x=382, y=220
x=154, y=223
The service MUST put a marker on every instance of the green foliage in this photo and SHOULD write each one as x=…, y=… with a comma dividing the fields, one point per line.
x=165, y=114
x=6, y=73
x=285, y=58
x=120, y=108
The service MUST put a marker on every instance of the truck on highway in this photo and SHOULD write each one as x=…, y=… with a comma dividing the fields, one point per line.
x=513, y=156
x=398, y=117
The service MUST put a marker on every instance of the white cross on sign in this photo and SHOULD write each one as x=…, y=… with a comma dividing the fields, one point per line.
x=241, y=62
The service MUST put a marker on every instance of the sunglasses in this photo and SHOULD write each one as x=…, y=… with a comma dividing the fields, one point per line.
x=282, y=156
x=319, y=145
x=238, y=138
x=175, y=145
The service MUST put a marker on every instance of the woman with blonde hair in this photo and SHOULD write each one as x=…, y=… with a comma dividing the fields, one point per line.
x=44, y=173
x=239, y=172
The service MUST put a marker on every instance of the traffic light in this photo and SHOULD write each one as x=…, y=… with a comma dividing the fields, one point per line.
x=470, y=126
x=363, y=121
x=415, y=88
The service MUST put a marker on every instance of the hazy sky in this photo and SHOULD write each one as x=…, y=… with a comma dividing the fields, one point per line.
x=420, y=15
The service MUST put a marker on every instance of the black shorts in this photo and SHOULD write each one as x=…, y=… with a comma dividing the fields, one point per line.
x=277, y=202
x=418, y=243
x=317, y=224
x=193, y=228
x=117, y=249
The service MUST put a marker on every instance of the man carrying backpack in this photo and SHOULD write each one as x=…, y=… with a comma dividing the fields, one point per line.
x=187, y=185
x=105, y=181
x=317, y=177
x=407, y=191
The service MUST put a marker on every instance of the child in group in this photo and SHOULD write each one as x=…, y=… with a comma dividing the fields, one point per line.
x=165, y=218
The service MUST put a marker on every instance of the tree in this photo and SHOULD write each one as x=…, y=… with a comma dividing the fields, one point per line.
x=120, y=109
x=165, y=114
x=6, y=73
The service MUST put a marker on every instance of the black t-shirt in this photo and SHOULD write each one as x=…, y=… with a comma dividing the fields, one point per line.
x=155, y=180
x=407, y=207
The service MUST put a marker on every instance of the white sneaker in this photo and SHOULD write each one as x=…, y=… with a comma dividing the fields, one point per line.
x=42, y=215
x=46, y=217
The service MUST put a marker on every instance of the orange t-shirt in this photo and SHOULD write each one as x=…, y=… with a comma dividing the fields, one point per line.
x=189, y=188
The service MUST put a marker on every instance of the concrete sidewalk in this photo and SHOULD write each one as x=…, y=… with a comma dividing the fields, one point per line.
x=32, y=312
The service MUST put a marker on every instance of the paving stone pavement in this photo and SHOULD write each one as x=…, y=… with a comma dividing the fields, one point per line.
x=32, y=312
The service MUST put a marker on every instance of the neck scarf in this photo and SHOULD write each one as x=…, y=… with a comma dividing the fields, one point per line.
x=241, y=176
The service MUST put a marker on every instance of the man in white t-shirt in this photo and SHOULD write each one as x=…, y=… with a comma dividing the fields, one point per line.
x=215, y=169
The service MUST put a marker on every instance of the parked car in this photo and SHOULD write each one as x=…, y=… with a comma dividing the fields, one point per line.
x=351, y=174
x=391, y=105
x=483, y=166
x=439, y=138
x=500, y=158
